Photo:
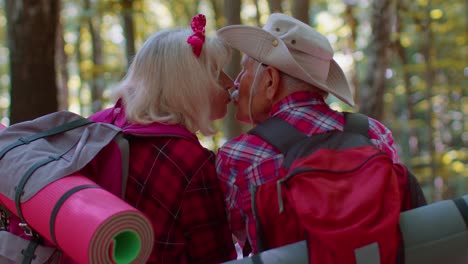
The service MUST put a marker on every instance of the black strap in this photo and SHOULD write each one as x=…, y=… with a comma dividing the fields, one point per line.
x=282, y=135
x=28, y=252
x=56, y=130
x=278, y=133
x=356, y=123
x=261, y=242
x=59, y=204
x=417, y=198
x=463, y=208
x=19, y=190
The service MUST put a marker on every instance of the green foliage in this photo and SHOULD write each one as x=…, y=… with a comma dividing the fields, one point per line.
x=4, y=66
x=406, y=107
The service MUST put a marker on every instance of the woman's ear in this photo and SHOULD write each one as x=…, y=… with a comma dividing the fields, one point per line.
x=273, y=80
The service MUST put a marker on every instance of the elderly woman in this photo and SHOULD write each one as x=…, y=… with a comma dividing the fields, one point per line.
x=176, y=82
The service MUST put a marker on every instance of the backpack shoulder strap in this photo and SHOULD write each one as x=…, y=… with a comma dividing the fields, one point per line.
x=278, y=133
x=356, y=123
x=282, y=135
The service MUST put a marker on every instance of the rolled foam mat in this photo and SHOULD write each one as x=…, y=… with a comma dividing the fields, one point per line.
x=91, y=225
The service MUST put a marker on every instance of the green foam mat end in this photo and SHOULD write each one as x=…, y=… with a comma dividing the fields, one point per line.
x=127, y=246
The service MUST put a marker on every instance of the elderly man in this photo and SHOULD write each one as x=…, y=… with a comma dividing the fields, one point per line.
x=288, y=71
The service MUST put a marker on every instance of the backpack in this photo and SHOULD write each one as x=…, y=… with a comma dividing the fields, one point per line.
x=432, y=234
x=337, y=191
x=36, y=153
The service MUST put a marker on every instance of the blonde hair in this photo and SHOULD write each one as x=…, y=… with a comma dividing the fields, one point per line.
x=167, y=83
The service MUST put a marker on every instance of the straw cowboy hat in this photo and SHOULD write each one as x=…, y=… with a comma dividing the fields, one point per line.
x=293, y=48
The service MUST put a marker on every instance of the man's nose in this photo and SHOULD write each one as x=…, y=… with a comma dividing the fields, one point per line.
x=237, y=82
x=235, y=95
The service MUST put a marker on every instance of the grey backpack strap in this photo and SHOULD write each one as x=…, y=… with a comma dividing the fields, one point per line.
x=282, y=135
x=124, y=147
x=278, y=133
x=356, y=123
x=54, y=131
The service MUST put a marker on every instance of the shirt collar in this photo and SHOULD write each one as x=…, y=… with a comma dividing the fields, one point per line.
x=297, y=99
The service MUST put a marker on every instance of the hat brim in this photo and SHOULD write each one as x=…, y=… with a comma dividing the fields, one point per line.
x=269, y=49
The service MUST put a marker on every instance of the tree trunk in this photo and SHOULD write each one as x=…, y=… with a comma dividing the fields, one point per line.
x=129, y=30
x=257, y=13
x=218, y=13
x=179, y=12
x=97, y=88
x=300, y=10
x=427, y=50
x=79, y=59
x=62, y=73
x=378, y=59
x=32, y=27
x=412, y=147
x=190, y=9
x=352, y=22
x=275, y=6
x=232, y=127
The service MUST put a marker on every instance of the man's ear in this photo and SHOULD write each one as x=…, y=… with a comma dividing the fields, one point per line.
x=273, y=81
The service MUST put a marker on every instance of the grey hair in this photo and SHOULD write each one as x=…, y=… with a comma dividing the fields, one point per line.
x=167, y=83
x=294, y=84
x=291, y=83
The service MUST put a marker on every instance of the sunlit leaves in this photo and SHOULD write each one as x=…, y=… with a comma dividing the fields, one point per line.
x=436, y=14
x=449, y=51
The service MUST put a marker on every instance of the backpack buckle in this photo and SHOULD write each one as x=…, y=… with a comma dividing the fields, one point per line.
x=27, y=230
x=280, y=194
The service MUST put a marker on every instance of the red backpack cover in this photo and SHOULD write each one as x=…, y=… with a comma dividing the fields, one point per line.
x=336, y=190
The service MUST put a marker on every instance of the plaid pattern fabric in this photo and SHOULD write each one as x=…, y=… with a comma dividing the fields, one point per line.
x=248, y=160
x=173, y=181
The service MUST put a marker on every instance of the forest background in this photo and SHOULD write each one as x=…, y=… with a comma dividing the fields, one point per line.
x=406, y=60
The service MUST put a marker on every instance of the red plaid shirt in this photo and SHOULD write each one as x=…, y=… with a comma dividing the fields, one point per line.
x=173, y=181
x=248, y=160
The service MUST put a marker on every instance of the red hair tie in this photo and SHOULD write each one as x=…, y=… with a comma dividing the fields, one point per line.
x=197, y=39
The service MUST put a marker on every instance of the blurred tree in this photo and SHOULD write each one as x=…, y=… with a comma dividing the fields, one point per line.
x=257, y=13
x=373, y=88
x=79, y=59
x=401, y=52
x=32, y=27
x=352, y=22
x=217, y=6
x=300, y=10
x=275, y=6
x=427, y=51
x=129, y=29
x=353, y=31
x=61, y=60
x=183, y=10
x=96, y=82
x=232, y=128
